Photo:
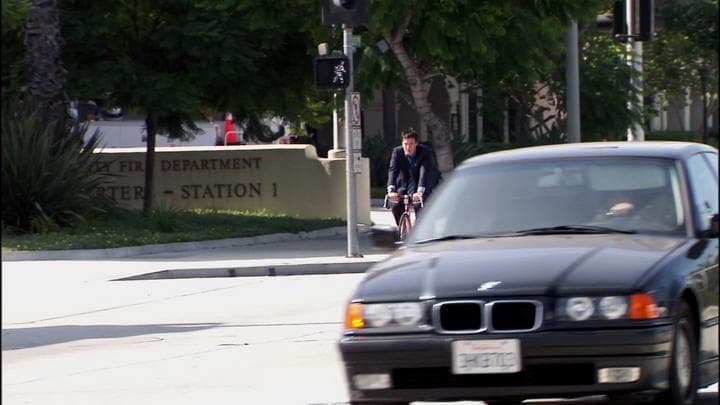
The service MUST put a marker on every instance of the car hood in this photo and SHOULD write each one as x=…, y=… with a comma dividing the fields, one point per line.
x=516, y=266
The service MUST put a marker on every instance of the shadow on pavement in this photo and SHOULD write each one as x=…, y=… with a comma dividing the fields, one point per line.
x=23, y=338
x=703, y=398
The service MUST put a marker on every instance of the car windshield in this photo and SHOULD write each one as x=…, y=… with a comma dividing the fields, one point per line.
x=609, y=195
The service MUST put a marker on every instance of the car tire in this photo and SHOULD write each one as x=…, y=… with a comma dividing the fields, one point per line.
x=683, y=364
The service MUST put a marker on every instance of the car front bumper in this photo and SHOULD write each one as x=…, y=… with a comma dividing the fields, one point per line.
x=557, y=363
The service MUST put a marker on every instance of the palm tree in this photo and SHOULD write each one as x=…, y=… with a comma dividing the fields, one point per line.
x=45, y=90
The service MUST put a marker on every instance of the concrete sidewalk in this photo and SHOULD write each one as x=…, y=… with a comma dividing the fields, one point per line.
x=318, y=252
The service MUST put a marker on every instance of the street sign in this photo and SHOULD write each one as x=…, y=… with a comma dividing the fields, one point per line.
x=357, y=163
x=355, y=116
x=356, y=139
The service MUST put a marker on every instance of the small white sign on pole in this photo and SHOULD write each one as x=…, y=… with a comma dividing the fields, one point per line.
x=356, y=139
x=355, y=116
x=357, y=163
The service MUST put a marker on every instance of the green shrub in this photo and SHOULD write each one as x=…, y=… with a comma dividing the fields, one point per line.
x=682, y=136
x=463, y=150
x=47, y=175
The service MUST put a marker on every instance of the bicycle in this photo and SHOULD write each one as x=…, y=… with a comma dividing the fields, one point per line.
x=408, y=217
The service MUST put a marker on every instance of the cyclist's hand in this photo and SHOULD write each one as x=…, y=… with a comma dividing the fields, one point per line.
x=394, y=197
x=417, y=197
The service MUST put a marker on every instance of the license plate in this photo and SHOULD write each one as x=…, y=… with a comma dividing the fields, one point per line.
x=486, y=356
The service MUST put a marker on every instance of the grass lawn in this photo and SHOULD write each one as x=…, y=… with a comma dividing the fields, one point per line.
x=129, y=228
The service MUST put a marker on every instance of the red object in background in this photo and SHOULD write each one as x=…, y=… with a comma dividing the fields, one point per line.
x=230, y=137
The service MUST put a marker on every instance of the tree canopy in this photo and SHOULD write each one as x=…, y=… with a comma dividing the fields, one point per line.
x=476, y=42
x=687, y=43
x=172, y=59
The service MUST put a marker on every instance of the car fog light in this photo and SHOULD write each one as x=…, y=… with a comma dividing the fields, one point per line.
x=618, y=375
x=371, y=381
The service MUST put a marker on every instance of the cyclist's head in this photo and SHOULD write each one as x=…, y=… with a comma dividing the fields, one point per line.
x=409, y=141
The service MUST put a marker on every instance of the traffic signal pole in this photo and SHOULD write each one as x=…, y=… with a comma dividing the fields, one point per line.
x=634, y=50
x=352, y=238
x=572, y=83
x=349, y=13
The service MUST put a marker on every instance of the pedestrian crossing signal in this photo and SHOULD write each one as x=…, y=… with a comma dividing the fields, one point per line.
x=332, y=71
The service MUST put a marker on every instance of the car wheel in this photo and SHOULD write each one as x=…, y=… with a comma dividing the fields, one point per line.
x=683, y=363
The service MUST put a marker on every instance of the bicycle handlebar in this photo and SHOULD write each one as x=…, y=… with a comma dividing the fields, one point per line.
x=406, y=200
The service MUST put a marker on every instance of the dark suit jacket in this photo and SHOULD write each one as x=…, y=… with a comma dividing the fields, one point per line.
x=400, y=171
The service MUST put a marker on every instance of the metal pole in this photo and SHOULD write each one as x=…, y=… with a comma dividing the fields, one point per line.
x=336, y=135
x=634, y=50
x=638, y=129
x=573, y=83
x=629, y=49
x=352, y=240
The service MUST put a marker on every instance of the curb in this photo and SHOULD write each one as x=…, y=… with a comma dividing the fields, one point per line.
x=256, y=271
x=129, y=251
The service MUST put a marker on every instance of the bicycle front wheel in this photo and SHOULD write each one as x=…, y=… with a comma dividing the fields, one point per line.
x=405, y=226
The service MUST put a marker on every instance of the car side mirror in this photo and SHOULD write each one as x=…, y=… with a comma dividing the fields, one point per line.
x=385, y=237
x=714, y=230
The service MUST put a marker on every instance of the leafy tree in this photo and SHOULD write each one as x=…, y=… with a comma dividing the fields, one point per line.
x=687, y=44
x=172, y=59
x=605, y=88
x=14, y=13
x=469, y=40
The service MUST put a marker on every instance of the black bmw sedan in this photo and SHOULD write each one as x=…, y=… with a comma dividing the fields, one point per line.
x=555, y=271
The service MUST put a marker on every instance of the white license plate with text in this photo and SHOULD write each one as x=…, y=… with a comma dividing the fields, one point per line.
x=486, y=356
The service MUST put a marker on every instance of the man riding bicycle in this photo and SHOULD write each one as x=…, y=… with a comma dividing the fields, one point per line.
x=411, y=172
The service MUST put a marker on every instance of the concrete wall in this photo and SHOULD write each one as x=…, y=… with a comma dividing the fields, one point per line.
x=288, y=179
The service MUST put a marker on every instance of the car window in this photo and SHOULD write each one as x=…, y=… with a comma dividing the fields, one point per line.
x=511, y=197
x=703, y=188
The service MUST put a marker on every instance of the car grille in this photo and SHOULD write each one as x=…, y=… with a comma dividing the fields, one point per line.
x=469, y=316
x=536, y=375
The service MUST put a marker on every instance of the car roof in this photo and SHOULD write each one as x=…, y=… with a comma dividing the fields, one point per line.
x=656, y=149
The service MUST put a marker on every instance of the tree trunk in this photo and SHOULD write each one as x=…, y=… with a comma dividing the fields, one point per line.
x=151, y=130
x=43, y=64
x=420, y=89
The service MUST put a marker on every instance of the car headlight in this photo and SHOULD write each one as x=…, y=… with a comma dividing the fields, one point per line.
x=579, y=308
x=593, y=308
x=613, y=307
x=360, y=316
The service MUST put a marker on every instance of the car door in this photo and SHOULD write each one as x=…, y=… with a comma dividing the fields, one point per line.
x=703, y=178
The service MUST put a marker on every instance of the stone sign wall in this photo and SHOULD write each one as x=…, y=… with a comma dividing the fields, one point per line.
x=288, y=179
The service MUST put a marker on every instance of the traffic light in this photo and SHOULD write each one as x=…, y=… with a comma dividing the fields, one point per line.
x=332, y=71
x=349, y=12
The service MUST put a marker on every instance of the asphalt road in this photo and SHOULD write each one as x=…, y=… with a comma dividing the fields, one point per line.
x=258, y=340
x=250, y=340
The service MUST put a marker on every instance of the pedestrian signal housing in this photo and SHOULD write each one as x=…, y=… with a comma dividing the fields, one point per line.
x=332, y=71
